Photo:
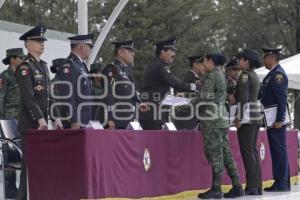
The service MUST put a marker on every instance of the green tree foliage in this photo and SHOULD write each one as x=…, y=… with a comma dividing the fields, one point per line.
x=148, y=21
x=55, y=14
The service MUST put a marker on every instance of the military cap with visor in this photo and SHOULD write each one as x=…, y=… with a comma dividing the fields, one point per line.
x=268, y=51
x=36, y=33
x=128, y=44
x=166, y=44
x=82, y=39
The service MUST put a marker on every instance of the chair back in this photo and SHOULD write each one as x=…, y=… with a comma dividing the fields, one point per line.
x=9, y=129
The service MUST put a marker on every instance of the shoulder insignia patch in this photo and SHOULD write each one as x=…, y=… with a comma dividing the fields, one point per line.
x=66, y=65
x=167, y=68
x=279, y=78
x=1, y=83
x=66, y=68
x=109, y=70
x=24, y=70
x=244, y=78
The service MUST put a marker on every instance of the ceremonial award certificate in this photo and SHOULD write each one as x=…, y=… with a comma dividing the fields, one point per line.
x=270, y=114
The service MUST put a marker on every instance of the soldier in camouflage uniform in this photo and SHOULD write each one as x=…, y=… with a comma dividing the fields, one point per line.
x=214, y=128
x=9, y=106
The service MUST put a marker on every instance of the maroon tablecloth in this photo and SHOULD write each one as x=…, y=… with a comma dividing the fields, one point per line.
x=69, y=165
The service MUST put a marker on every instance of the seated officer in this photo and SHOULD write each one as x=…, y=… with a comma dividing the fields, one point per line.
x=122, y=97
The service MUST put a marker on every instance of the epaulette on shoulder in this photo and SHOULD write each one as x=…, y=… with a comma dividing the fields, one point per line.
x=43, y=61
x=65, y=66
x=24, y=65
x=110, y=70
x=26, y=61
x=66, y=63
x=70, y=60
x=109, y=66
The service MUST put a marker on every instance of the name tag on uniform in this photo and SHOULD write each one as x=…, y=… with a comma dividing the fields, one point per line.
x=38, y=75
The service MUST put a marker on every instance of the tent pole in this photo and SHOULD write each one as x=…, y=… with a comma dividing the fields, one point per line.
x=82, y=17
x=1, y=3
x=116, y=12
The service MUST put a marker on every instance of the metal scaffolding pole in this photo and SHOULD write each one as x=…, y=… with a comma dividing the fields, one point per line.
x=82, y=17
x=116, y=12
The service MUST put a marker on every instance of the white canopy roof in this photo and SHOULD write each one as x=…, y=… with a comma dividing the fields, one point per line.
x=291, y=66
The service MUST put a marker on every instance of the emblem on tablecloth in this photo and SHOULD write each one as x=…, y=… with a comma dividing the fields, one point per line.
x=147, y=160
x=262, y=151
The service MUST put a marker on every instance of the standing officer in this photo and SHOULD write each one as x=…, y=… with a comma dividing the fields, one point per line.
x=247, y=90
x=77, y=94
x=98, y=91
x=196, y=72
x=274, y=92
x=122, y=97
x=214, y=124
x=194, y=75
x=157, y=80
x=232, y=75
x=9, y=106
x=54, y=93
x=33, y=79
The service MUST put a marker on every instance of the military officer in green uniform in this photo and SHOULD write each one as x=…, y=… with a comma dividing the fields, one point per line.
x=232, y=75
x=214, y=125
x=247, y=90
x=122, y=98
x=184, y=115
x=9, y=106
x=34, y=83
x=98, y=90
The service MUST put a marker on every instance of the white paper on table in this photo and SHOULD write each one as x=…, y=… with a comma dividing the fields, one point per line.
x=270, y=114
x=171, y=100
x=94, y=125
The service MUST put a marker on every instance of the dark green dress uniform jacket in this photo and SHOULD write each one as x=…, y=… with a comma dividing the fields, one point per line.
x=98, y=110
x=34, y=83
x=186, y=111
x=247, y=91
x=121, y=97
x=157, y=80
